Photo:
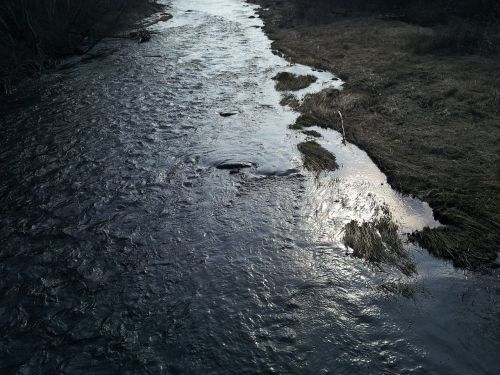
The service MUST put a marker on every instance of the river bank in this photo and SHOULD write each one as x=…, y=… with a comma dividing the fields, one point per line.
x=38, y=37
x=429, y=119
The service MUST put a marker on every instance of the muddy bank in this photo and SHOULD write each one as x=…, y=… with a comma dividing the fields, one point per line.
x=429, y=120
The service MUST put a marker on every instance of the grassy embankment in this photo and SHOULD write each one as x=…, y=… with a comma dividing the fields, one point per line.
x=36, y=35
x=422, y=97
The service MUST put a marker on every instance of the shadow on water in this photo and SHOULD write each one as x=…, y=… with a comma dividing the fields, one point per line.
x=125, y=249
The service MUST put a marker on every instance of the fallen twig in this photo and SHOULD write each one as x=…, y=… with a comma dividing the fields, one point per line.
x=343, y=130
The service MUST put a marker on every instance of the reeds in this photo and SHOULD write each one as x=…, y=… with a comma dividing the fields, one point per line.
x=378, y=243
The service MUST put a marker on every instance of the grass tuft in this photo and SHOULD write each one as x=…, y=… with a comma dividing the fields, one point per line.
x=304, y=121
x=290, y=100
x=455, y=244
x=397, y=287
x=316, y=158
x=378, y=243
x=312, y=133
x=291, y=82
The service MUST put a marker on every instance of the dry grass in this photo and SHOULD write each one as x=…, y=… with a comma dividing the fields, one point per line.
x=378, y=243
x=312, y=133
x=290, y=100
x=305, y=120
x=316, y=158
x=398, y=287
x=291, y=82
x=461, y=38
x=430, y=122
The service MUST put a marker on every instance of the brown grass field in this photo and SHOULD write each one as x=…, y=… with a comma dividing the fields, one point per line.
x=424, y=103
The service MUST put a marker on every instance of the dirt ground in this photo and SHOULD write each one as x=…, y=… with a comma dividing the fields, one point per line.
x=430, y=121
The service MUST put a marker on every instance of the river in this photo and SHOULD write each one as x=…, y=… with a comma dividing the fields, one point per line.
x=125, y=249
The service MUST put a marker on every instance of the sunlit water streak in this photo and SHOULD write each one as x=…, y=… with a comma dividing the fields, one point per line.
x=125, y=250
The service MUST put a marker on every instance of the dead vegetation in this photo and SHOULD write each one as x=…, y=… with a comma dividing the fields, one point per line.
x=304, y=121
x=291, y=82
x=401, y=287
x=316, y=158
x=461, y=38
x=312, y=133
x=430, y=120
x=378, y=243
x=290, y=100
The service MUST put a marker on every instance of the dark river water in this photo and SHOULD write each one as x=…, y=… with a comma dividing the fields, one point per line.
x=124, y=249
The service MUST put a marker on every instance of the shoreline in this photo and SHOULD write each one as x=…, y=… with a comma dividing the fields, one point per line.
x=429, y=121
x=108, y=25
